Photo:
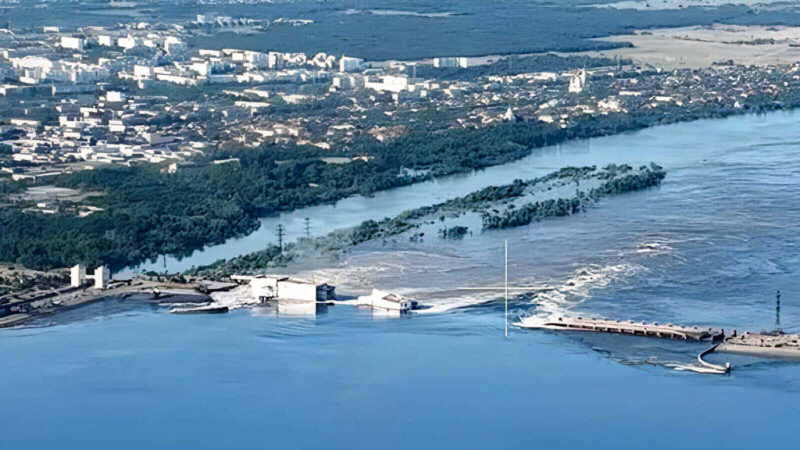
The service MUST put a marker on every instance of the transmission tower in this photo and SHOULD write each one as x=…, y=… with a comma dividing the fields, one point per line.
x=778, y=329
x=280, y=237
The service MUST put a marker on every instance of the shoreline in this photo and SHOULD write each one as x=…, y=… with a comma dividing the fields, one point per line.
x=19, y=311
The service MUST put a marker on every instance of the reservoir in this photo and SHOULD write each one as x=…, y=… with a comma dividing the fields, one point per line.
x=671, y=146
x=709, y=247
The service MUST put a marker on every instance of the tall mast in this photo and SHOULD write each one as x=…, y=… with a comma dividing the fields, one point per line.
x=506, y=285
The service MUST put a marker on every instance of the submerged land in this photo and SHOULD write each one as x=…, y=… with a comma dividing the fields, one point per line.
x=569, y=191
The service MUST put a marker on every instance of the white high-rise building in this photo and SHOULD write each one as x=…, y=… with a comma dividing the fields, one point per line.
x=72, y=43
x=348, y=64
x=578, y=81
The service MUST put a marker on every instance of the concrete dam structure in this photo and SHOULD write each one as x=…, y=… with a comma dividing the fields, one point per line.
x=654, y=329
x=775, y=345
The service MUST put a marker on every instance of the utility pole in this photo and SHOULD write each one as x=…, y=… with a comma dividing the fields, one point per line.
x=280, y=237
x=506, y=286
x=308, y=227
x=778, y=329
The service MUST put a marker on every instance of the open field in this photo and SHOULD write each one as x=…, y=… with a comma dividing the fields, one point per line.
x=700, y=46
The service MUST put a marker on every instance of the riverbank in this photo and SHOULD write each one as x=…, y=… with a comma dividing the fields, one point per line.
x=22, y=308
x=671, y=145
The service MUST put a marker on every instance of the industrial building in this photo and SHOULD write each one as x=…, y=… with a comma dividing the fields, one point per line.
x=441, y=62
x=386, y=301
x=266, y=288
x=79, y=277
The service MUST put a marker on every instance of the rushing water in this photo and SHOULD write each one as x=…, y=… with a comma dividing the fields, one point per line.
x=710, y=246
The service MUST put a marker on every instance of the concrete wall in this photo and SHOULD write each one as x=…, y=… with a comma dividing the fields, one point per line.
x=264, y=288
x=297, y=291
x=102, y=275
x=77, y=275
x=284, y=288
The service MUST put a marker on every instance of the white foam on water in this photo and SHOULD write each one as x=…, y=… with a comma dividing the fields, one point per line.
x=361, y=273
x=576, y=290
x=353, y=302
x=391, y=270
x=184, y=304
x=238, y=297
x=653, y=247
x=447, y=303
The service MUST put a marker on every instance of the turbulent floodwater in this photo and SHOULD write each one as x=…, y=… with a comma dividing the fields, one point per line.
x=710, y=247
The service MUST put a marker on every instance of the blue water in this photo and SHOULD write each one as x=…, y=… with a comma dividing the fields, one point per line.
x=344, y=380
x=709, y=246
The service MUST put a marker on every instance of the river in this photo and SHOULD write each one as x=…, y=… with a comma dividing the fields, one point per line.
x=709, y=247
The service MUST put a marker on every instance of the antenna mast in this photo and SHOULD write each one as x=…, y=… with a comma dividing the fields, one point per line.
x=506, y=285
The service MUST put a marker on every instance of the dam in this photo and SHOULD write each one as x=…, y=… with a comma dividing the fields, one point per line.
x=774, y=345
x=654, y=329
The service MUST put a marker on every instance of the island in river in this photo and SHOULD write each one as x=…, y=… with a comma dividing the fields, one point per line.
x=568, y=191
